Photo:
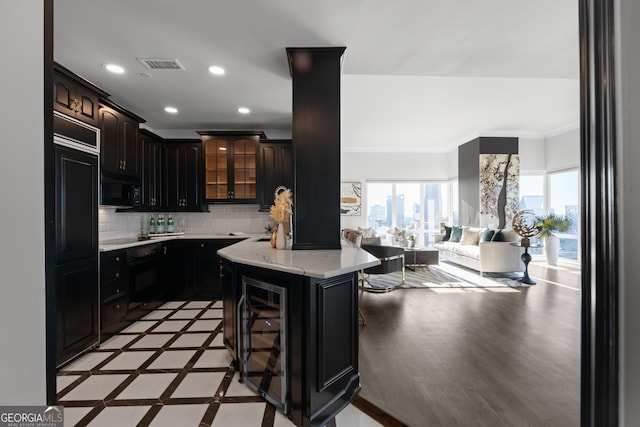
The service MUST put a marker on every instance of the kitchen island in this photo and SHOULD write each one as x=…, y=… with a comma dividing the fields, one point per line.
x=291, y=325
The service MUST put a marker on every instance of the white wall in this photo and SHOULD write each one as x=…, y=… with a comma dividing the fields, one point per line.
x=22, y=295
x=563, y=151
x=628, y=113
x=532, y=154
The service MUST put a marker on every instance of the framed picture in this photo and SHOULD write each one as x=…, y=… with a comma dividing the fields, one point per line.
x=350, y=198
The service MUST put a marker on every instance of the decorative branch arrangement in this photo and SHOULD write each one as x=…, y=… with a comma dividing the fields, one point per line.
x=281, y=210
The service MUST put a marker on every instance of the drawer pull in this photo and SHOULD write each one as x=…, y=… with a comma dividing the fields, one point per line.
x=117, y=305
x=202, y=245
x=117, y=274
x=117, y=291
x=117, y=259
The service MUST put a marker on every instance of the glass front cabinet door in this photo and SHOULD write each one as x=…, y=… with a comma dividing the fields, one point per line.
x=231, y=166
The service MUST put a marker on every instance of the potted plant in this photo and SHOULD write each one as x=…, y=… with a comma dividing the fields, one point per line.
x=549, y=224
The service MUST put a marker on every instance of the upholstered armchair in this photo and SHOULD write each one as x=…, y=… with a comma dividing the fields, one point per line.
x=391, y=259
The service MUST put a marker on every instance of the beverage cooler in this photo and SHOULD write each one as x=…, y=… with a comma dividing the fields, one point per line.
x=263, y=351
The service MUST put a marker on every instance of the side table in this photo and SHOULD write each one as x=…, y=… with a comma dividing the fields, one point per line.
x=420, y=257
x=526, y=259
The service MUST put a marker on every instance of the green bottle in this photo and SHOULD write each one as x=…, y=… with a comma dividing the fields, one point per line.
x=152, y=226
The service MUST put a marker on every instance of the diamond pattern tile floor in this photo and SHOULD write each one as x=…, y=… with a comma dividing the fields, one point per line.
x=167, y=370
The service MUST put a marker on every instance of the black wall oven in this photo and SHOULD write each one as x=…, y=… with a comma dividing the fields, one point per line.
x=144, y=273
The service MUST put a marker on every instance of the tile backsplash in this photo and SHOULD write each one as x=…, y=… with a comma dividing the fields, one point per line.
x=220, y=219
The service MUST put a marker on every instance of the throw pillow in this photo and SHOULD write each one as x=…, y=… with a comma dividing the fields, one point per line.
x=456, y=233
x=510, y=236
x=498, y=236
x=367, y=232
x=397, y=236
x=487, y=235
x=447, y=234
x=469, y=237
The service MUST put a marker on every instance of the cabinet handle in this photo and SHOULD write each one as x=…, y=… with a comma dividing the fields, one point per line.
x=124, y=164
x=117, y=291
x=164, y=250
x=117, y=305
x=202, y=245
x=117, y=259
x=117, y=274
x=221, y=273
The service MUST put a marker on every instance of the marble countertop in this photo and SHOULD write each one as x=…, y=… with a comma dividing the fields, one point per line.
x=112, y=245
x=311, y=263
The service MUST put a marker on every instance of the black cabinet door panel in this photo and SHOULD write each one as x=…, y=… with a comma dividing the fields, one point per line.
x=276, y=169
x=76, y=307
x=109, y=155
x=76, y=204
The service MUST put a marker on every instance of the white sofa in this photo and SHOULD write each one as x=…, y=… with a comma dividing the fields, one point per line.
x=485, y=257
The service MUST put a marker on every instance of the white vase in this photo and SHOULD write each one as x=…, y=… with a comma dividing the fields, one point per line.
x=552, y=250
x=281, y=238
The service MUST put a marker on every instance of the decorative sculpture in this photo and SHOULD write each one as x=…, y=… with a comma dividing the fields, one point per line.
x=526, y=225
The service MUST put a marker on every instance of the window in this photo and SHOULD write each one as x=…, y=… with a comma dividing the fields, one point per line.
x=557, y=192
x=532, y=198
x=420, y=206
x=532, y=193
x=564, y=199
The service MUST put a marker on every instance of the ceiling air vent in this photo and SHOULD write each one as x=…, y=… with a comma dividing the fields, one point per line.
x=161, y=63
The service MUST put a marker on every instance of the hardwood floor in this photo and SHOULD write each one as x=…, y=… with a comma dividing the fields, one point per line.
x=476, y=357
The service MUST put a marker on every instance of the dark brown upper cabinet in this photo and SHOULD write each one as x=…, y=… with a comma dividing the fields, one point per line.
x=275, y=163
x=231, y=166
x=182, y=175
x=119, y=149
x=151, y=171
x=76, y=97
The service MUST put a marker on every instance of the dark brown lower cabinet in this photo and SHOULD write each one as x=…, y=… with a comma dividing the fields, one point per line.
x=205, y=268
x=321, y=322
x=76, y=308
x=230, y=296
x=114, y=286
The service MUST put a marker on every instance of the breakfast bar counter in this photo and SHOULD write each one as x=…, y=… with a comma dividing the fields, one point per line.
x=290, y=322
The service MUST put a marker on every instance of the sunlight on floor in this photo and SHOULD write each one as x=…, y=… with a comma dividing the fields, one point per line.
x=502, y=290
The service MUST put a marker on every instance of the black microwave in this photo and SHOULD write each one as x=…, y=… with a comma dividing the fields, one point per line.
x=120, y=194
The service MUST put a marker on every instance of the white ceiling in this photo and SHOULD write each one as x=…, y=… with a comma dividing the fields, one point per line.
x=418, y=75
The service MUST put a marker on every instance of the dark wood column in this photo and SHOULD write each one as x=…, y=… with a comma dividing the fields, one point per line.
x=316, y=146
x=600, y=353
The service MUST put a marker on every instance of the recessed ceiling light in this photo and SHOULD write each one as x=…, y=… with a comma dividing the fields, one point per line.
x=216, y=70
x=243, y=110
x=114, y=68
x=171, y=110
